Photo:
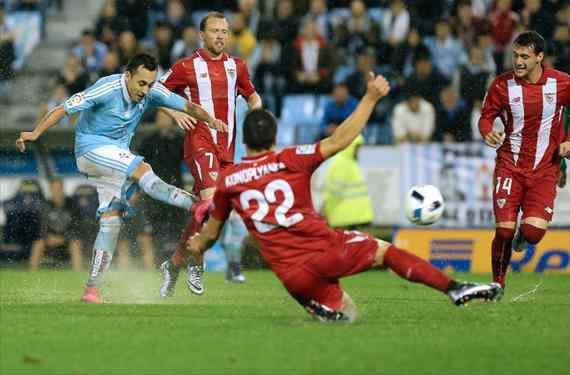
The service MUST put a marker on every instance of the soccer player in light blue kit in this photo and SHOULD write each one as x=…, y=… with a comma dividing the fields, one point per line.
x=111, y=110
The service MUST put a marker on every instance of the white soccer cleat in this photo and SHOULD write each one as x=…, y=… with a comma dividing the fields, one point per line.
x=234, y=274
x=194, y=278
x=169, y=278
x=466, y=292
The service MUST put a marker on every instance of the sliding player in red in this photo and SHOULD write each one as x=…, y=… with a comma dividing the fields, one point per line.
x=270, y=190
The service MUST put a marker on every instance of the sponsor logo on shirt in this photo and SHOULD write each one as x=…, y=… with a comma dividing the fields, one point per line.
x=231, y=72
x=305, y=149
x=517, y=99
x=75, y=100
x=549, y=97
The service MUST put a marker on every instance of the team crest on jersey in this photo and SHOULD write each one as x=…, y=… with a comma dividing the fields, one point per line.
x=75, y=100
x=231, y=72
x=501, y=202
x=549, y=97
x=305, y=149
x=214, y=175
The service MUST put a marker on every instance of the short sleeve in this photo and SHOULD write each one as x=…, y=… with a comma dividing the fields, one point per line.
x=305, y=158
x=245, y=86
x=222, y=205
x=96, y=94
x=161, y=97
x=492, y=107
x=174, y=79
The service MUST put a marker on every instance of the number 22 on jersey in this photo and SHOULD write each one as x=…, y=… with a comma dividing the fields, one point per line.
x=267, y=197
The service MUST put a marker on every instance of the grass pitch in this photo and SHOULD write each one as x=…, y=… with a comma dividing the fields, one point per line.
x=257, y=328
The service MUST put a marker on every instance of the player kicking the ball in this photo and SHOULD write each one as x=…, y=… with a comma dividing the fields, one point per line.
x=111, y=110
x=270, y=190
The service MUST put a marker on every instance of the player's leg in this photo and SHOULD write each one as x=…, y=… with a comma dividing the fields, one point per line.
x=323, y=298
x=231, y=240
x=204, y=167
x=157, y=189
x=38, y=250
x=416, y=269
x=103, y=251
x=507, y=195
x=538, y=208
x=108, y=168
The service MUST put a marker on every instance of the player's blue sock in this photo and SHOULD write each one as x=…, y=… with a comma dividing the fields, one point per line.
x=233, y=252
x=160, y=190
x=104, y=248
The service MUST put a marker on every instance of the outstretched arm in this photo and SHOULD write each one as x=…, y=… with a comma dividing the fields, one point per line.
x=49, y=120
x=200, y=113
x=349, y=129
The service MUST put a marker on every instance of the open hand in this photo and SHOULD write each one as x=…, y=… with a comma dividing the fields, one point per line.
x=218, y=125
x=184, y=120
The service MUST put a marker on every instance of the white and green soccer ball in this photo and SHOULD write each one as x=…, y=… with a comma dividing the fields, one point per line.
x=424, y=204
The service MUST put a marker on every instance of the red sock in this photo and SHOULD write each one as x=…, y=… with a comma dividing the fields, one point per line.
x=501, y=253
x=415, y=269
x=181, y=255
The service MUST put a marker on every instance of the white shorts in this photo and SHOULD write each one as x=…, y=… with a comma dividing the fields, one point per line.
x=109, y=168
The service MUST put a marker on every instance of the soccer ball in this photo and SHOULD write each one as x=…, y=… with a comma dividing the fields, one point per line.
x=424, y=204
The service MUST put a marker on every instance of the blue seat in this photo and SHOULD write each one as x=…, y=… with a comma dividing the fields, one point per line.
x=16, y=163
x=300, y=112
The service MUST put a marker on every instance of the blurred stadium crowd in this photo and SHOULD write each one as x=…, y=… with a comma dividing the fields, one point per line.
x=308, y=60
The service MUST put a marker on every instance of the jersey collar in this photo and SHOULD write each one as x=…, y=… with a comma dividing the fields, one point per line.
x=256, y=158
x=205, y=55
x=541, y=81
x=124, y=90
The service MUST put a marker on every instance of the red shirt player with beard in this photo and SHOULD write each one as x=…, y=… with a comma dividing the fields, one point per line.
x=530, y=100
x=270, y=190
x=213, y=79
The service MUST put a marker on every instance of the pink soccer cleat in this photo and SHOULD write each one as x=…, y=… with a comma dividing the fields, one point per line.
x=92, y=295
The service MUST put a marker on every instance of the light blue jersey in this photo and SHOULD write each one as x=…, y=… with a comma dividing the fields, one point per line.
x=109, y=116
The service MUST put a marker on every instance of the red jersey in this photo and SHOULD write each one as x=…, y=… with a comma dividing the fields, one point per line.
x=533, y=118
x=214, y=85
x=272, y=193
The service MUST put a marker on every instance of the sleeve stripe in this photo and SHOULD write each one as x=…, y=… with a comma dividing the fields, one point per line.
x=161, y=89
x=102, y=92
x=96, y=90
